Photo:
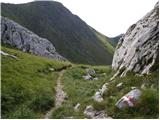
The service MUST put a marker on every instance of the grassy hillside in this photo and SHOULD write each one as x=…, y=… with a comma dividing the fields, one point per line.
x=27, y=84
x=28, y=89
x=71, y=36
x=81, y=91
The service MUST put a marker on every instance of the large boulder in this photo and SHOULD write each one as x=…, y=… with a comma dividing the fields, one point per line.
x=129, y=100
x=137, y=50
x=19, y=37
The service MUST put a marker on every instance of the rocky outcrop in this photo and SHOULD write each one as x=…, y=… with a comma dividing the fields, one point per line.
x=137, y=50
x=19, y=37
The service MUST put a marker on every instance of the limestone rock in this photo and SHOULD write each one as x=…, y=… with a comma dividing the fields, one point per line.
x=91, y=72
x=129, y=100
x=76, y=108
x=7, y=54
x=19, y=37
x=98, y=97
x=119, y=86
x=51, y=69
x=89, y=111
x=95, y=78
x=100, y=115
x=94, y=114
x=133, y=87
x=137, y=50
x=87, y=77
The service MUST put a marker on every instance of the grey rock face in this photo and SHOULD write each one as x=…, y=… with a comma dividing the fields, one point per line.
x=137, y=50
x=25, y=40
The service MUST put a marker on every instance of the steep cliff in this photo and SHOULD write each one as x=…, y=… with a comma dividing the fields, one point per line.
x=138, y=49
x=17, y=36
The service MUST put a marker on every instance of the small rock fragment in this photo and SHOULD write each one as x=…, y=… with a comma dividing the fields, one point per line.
x=95, y=78
x=133, y=88
x=119, y=86
x=76, y=108
x=91, y=72
x=87, y=77
x=89, y=111
x=51, y=69
x=97, y=97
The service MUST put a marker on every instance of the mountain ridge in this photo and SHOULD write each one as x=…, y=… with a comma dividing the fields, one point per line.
x=72, y=37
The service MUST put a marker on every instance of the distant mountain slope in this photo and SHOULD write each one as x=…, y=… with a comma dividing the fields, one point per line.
x=114, y=40
x=72, y=37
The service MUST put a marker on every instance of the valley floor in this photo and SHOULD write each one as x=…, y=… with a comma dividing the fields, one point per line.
x=36, y=87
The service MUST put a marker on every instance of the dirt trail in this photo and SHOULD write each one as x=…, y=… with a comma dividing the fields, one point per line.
x=59, y=98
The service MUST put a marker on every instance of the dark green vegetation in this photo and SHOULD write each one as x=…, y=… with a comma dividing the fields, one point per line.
x=114, y=40
x=27, y=84
x=28, y=89
x=71, y=36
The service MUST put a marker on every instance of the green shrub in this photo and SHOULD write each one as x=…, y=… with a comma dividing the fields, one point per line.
x=149, y=103
x=99, y=105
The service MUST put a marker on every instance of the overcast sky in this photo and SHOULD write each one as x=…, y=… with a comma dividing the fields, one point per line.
x=110, y=17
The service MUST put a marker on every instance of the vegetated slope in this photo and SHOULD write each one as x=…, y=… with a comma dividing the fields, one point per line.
x=81, y=91
x=115, y=40
x=27, y=84
x=72, y=37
